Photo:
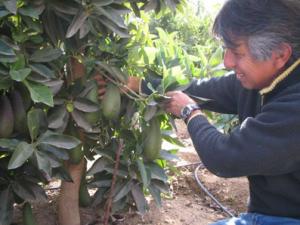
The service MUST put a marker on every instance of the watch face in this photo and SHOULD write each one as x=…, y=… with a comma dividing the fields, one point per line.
x=187, y=110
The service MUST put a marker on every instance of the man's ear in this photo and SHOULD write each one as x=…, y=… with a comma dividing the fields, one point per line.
x=282, y=55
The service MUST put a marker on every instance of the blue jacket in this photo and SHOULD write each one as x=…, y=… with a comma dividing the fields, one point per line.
x=265, y=147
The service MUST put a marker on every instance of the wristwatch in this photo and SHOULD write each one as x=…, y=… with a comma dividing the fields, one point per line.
x=187, y=110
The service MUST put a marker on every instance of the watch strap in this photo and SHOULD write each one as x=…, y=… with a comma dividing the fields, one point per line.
x=187, y=110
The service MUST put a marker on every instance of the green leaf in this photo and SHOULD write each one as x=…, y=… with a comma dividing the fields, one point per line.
x=5, y=49
x=7, y=58
x=135, y=9
x=59, y=140
x=33, y=12
x=155, y=192
x=38, y=191
x=168, y=80
x=20, y=63
x=106, y=152
x=6, y=206
x=171, y=4
x=119, y=75
x=85, y=105
x=119, y=205
x=28, y=190
x=11, y=6
x=163, y=187
x=104, y=66
x=99, y=196
x=122, y=172
x=3, y=12
x=143, y=172
x=164, y=154
x=45, y=55
x=36, y=122
x=100, y=3
x=98, y=166
x=5, y=82
x=33, y=24
x=64, y=7
x=112, y=15
x=100, y=183
x=151, y=5
x=43, y=163
x=139, y=198
x=53, y=160
x=22, y=152
x=19, y=75
x=172, y=140
x=54, y=85
x=3, y=71
x=150, y=54
x=115, y=28
x=150, y=112
x=126, y=188
x=84, y=30
x=216, y=58
x=58, y=117
x=62, y=174
x=9, y=143
x=42, y=70
x=59, y=153
x=157, y=172
x=23, y=191
x=81, y=121
x=39, y=93
x=77, y=22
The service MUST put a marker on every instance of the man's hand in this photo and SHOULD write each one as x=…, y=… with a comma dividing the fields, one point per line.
x=133, y=83
x=177, y=102
x=101, y=81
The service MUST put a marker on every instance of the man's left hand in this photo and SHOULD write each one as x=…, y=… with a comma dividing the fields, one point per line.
x=177, y=102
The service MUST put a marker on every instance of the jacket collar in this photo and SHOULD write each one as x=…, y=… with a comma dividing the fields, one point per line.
x=282, y=78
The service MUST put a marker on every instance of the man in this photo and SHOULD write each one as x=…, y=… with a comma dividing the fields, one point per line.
x=262, y=41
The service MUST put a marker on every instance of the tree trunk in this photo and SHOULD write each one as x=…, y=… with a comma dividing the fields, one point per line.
x=68, y=202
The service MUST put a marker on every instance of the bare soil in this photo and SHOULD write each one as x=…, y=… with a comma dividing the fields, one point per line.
x=187, y=204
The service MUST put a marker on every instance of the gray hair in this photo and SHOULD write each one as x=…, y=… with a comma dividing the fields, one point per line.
x=265, y=24
x=261, y=46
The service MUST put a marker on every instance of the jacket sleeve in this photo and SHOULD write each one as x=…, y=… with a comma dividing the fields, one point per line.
x=267, y=144
x=223, y=92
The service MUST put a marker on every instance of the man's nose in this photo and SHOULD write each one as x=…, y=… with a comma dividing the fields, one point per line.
x=229, y=59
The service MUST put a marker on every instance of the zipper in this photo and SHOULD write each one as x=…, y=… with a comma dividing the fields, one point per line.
x=262, y=101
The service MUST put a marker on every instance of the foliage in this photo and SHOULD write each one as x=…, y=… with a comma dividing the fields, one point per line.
x=49, y=53
x=203, y=54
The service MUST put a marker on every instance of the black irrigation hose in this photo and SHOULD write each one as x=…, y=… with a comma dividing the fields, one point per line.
x=208, y=193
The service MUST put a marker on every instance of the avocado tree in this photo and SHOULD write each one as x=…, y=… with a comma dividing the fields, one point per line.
x=51, y=119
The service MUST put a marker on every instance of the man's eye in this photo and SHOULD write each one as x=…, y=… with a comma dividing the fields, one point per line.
x=237, y=54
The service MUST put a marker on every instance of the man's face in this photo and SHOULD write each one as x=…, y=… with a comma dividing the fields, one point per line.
x=251, y=72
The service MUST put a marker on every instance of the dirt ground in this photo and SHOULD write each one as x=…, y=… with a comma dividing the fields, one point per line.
x=186, y=205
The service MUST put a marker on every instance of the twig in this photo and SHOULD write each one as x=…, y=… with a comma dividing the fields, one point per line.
x=133, y=95
x=113, y=182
